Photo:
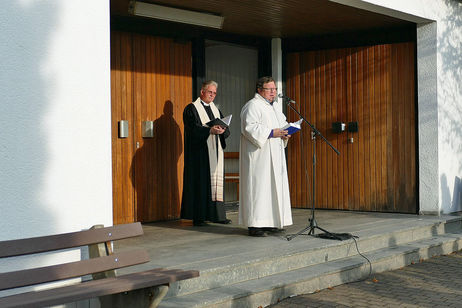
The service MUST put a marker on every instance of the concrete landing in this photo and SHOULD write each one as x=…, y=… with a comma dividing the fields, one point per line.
x=241, y=271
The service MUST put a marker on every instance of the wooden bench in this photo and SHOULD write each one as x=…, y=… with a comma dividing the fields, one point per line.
x=130, y=290
x=232, y=177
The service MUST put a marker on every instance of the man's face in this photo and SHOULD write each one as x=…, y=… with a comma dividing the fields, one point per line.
x=208, y=94
x=269, y=91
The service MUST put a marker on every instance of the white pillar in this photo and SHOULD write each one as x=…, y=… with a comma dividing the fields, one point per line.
x=276, y=59
x=429, y=187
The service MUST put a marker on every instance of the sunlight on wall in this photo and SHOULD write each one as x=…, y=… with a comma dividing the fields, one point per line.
x=450, y=104
x=77, y=119
x=55, y=145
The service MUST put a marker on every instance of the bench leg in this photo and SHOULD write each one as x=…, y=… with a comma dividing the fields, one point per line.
x=148, y=297
x=157, y=294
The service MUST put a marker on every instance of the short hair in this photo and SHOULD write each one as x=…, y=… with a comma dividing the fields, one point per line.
x=208, y=83
x=262, y=80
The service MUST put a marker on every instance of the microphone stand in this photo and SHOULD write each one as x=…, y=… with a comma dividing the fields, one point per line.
x=313, y=225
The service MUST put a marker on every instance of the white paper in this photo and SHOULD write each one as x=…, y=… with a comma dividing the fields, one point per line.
x=227, y=119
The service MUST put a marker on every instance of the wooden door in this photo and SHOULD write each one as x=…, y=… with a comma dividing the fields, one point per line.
x=160, y=86
x=122, y=108
x=375, y=87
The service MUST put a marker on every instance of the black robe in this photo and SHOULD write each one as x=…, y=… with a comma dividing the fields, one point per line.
x=197, y=201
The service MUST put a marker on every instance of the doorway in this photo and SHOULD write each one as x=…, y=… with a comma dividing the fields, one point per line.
x=372, y=91
x=150, y=86
x=151, y=82
x=235, y=68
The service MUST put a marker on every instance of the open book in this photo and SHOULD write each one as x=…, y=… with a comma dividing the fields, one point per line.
x=293, y=127
x=223, y=122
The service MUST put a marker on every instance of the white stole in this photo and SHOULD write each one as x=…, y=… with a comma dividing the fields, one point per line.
x=216, y=163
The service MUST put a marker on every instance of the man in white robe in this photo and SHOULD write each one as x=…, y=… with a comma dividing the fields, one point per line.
x=264, y=186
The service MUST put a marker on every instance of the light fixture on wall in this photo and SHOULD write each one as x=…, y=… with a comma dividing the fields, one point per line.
x=176, y=15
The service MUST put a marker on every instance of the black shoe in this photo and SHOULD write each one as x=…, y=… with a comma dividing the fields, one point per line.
x=274, y=230
x=199, y=223
x=224, y=222
x=258, y=232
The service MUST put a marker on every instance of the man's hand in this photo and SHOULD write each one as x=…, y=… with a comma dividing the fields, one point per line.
x=279, y=133
x=217, y=130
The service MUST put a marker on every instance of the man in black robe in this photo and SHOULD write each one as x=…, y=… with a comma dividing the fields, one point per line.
x=203, y=179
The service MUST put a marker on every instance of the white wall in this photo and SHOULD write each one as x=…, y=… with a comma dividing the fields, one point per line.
x=440, y=104
x=450, y=104
x=55, y=112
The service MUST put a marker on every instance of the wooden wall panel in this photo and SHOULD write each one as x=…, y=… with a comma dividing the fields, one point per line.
x=163, y=88
x=340, y=140
x=160, y=86
x=122, y=109
x=373, y=86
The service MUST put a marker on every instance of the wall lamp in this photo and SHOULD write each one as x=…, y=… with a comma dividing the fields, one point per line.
x=176, y=15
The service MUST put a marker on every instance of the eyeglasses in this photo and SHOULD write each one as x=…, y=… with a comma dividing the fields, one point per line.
x=270, y=89
x=211, y=92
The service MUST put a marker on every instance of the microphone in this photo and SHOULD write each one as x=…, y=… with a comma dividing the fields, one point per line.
x=288, y=99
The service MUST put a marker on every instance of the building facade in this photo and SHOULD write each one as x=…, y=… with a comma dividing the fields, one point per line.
x=65, y=88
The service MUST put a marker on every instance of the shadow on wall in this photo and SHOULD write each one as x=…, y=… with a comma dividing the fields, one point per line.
x=26, y=29
x=451, y=204
x=450, y=89
x=456, y=204
x=154, y=170
x=25, y=40
x=449, y=106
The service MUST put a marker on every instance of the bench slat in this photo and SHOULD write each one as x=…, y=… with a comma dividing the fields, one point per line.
x=33, y=276
x=68, y=240
x=231, y=176
x=231, y=155
x=96, y=288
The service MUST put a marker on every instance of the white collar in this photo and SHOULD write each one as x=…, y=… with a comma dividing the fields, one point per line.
x=204, y=103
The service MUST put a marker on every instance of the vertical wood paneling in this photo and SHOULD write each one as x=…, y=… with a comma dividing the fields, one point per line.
x=349, y=117
x=334, y=115
x=365, y=128
x=354, y=117
x=373, y=86
x=329, y=108
x=389, y=66
x=318, y=115
x=341, y=139
x=361, y=118
x=157, y=86
x=384, y=103
x=321, y=125
x=299, y=191
x=164, y=63
x=121, y=95
x=372, y=126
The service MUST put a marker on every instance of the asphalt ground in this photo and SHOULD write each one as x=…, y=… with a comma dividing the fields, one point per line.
x=436, y=282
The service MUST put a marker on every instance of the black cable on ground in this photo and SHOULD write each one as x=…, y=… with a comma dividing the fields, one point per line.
x=346, y=236
x=343, y=237
x=368, y=261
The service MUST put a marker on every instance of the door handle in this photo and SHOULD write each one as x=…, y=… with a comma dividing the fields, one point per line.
x=147, y=129
x=123, y=128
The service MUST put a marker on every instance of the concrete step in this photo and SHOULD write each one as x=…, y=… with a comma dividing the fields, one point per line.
x=267, y=289
x=304, y=251
x=254, y=276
